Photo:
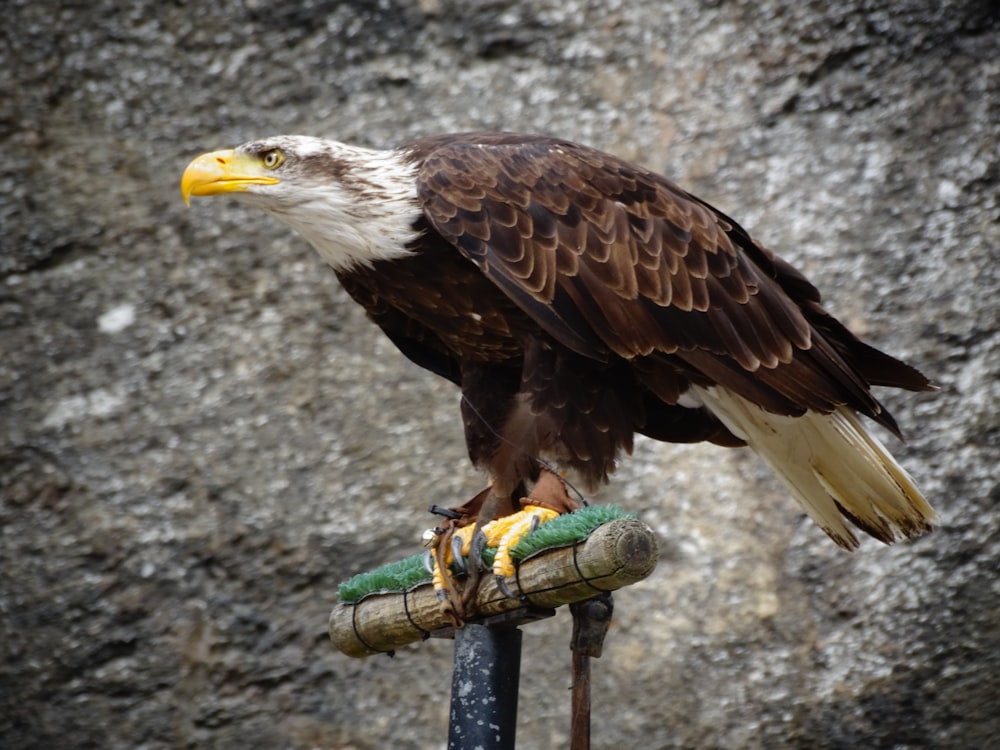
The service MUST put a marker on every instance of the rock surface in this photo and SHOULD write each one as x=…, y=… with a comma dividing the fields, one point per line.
x=200, y=435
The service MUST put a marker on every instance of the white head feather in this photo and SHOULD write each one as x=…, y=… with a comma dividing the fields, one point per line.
x=355, y=206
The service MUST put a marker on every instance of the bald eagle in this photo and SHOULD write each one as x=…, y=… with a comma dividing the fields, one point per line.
x=576, y=300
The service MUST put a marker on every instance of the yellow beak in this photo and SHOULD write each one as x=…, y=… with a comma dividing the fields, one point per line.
x=223, y=172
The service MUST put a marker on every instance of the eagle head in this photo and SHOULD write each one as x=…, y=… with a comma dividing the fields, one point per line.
x=355, y=206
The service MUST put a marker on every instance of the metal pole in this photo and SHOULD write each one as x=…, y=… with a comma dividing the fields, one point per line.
x=484, y=686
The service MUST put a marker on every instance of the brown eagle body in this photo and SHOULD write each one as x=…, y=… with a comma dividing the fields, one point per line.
x=577, y=299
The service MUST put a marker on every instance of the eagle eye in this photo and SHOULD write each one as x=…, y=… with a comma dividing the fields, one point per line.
x=272, y=159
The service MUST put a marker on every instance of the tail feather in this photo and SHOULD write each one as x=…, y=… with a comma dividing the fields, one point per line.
x=833, y=466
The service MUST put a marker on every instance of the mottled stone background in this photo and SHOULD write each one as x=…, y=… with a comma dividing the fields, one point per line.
x=200, y=436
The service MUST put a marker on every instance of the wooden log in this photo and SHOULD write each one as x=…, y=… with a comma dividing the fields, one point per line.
x=616, y=554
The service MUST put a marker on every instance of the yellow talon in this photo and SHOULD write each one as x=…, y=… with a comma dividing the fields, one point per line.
x=512, y=529
x=502, y=533
x=438, y=577
x=548, y=498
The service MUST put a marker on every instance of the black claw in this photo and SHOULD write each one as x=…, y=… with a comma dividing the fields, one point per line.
x=535, y=520
x=428, y=560
x=476, y=548
x=456, y=554
x=502, y=585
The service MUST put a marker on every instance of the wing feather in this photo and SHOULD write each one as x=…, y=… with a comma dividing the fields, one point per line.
x=612, y=259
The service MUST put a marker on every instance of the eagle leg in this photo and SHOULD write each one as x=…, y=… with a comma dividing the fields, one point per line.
x=486, y=516
x=548, y=498
x=468, y=530
x=442, y=552
x=450, y=545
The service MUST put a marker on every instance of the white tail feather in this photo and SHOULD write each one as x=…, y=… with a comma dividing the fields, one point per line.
x=832, y=465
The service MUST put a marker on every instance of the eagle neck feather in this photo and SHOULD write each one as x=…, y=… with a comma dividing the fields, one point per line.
x=360, y=208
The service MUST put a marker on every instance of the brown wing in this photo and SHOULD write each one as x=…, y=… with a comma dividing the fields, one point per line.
x=611, y=259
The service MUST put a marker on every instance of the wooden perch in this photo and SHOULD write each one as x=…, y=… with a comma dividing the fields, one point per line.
x=615, y=554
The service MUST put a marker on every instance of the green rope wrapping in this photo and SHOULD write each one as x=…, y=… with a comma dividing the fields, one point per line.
x=410, y=572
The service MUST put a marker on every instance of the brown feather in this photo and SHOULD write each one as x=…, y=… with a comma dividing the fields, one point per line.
x=587, y=295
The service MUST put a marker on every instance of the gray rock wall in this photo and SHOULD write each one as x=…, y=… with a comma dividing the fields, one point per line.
x=200, y=436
